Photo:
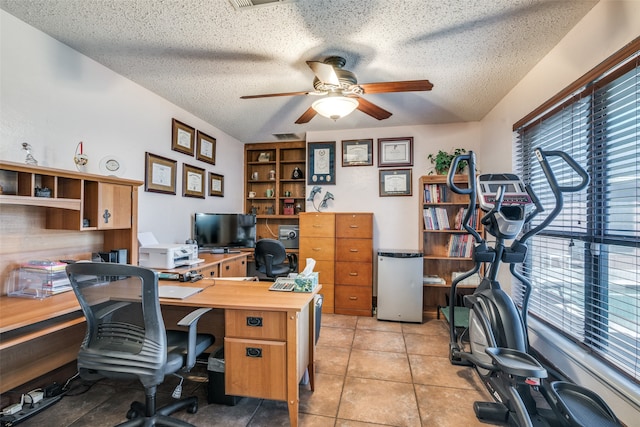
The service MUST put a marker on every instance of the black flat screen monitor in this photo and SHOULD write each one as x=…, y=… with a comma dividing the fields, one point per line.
x=221, y=230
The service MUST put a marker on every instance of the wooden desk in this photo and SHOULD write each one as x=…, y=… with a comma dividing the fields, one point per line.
x=32, y=331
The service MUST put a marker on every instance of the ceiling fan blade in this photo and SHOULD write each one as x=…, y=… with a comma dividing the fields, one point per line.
x=306, y=116
x=324, y=72
x=372, y=109
x=405, y=86
x=274, y=94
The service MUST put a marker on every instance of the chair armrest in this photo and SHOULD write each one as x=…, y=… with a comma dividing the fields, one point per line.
x=191, y=321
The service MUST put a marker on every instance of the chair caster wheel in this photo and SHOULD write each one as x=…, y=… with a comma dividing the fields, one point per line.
x=132, y=413
x=192, y=409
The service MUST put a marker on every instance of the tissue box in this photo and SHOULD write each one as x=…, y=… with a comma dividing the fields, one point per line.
x=306, y=283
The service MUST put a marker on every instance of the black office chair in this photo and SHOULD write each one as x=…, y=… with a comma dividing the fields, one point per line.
x=126, y=336
x=270, y=255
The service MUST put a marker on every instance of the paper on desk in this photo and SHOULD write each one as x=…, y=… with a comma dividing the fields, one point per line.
x=311, y=263
x=147, y=238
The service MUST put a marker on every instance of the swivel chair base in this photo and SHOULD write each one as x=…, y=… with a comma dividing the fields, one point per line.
x=138, y=414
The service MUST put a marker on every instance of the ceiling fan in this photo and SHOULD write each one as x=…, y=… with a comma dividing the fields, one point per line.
x=339, y=86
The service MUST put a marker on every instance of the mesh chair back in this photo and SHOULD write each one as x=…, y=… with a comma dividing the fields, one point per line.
x=125, y=331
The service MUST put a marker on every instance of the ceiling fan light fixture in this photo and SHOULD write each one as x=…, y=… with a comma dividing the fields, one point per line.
x=335, y=106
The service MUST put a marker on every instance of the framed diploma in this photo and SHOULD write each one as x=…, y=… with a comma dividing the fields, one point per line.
x=216, y=185
x=193, y=182
x=183, y=137
x=159, y=174
x=205, y=148
x=395, y=152
x=395, y=182
x=357, y=152
x=321, y=163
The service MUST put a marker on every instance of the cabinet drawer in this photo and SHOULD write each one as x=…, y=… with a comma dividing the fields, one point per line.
x=267, y=325
x=317, y=225
x=354, y=225
x=318, y=248
x=354, y=250
x=255, y=368
x=354, y=297
x=353, y=273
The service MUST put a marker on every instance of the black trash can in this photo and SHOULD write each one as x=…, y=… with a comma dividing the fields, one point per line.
x=215, y=391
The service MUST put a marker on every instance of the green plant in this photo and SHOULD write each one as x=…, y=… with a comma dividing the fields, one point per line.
x=442, y=161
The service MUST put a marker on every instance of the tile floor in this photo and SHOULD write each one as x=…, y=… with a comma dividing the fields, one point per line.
x=368, y=373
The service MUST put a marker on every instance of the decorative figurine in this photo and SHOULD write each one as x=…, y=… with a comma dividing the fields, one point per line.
x=297, y=173
x=30, y=160
x=80, y=159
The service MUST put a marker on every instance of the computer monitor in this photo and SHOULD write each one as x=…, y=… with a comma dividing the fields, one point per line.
x=224, y=230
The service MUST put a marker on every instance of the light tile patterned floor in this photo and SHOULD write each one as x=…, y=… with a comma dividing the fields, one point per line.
x=368, y=373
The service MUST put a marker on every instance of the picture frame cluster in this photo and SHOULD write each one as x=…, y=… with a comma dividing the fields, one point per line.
x=161, y=172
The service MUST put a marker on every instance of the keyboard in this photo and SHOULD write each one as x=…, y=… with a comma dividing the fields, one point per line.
x=283, y=284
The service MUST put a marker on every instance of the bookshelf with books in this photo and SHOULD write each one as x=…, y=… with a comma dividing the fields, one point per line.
x=446, y=246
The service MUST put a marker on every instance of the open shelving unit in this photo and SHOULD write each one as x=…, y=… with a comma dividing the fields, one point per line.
x=436, y=240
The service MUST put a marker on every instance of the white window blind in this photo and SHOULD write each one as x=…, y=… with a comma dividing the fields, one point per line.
x=585, y=267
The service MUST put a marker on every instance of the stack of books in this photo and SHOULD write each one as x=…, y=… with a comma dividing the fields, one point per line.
x=436, y=219
x=461, y=245
x=53, y=274
x=435, y=193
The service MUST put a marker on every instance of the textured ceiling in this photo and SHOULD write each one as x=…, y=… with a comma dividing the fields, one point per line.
x=202, y=55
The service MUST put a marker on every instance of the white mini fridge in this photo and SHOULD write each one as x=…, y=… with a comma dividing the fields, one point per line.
x=400, y=285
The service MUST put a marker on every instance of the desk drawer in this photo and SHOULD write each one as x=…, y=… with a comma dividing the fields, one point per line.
x=317, y=225
x=354, y=225
x=266, y=325
x=353, y=273
x=318, y=248
x=255, y=368
x=354, y=250
x=353, y=297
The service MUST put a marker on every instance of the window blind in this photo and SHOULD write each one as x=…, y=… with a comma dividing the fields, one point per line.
x=585, y=267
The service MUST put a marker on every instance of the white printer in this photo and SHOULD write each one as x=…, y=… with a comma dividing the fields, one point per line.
x=168, y=256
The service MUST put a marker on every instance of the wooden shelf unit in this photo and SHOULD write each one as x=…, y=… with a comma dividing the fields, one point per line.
x=434, y=243
x=278, y=162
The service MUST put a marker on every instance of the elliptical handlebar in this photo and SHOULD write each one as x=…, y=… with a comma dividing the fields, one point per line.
x=556, y=189
x=470, y=158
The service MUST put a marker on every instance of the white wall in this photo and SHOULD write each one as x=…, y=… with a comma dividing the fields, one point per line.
x=396, y=219
x=53, y=97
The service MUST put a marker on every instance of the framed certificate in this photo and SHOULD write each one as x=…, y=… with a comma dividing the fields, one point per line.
x=395, y=152
x=159, y=174
x=183, y=137
x=193, y=182
x=395, y=182
x=205, y=148
x=357, y=152
x=216, y=185
x=321, y=163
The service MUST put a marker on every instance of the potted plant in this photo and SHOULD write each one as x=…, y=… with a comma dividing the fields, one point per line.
x=442, y=161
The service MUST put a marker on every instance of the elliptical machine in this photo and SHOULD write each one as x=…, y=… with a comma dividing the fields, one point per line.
x=498, y=344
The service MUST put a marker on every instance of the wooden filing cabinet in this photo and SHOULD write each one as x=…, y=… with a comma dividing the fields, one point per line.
x=354, y=264
x=342, y=245
x=317, y=241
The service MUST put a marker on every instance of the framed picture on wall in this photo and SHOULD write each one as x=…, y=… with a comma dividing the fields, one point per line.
x=357, y=152
x=395, y=152
x=216, y=185
x=395, y=182
x=205, y=148
x=183, y=137
x=193, y=182
x=159, y=174
x=321, y=163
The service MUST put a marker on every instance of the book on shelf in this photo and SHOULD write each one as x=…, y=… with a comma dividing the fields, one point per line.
x=436, y=218
x=460, y=245
x=432, y=280
x=460, y=215
x=435, y=193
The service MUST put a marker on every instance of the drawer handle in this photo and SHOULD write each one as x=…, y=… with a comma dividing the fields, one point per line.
x=316, y=226
x=253, y=352
x=353, y=274
x=317, y=249
x=353, y=298
x=353, y=226
x=353, y=250
x=255, y=322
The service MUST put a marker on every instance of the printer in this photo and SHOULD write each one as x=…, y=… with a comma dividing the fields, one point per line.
x=168, y=256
